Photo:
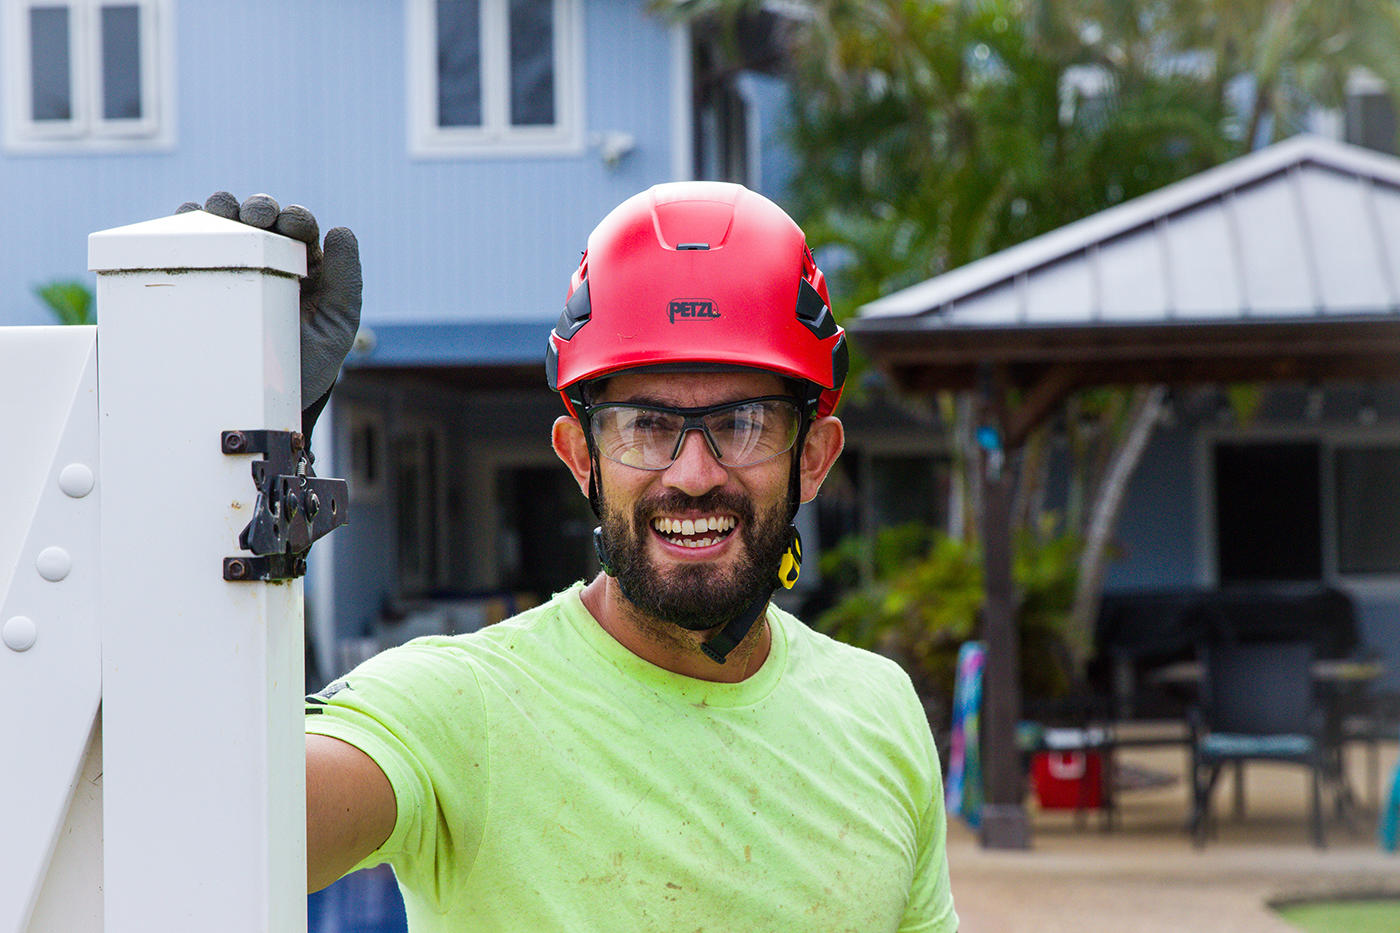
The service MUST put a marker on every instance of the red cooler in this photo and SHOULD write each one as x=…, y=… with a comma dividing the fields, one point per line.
x=1068, y=780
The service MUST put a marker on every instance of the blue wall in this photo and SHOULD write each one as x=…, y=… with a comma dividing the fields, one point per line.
x=307, y=101
x=1158, y=531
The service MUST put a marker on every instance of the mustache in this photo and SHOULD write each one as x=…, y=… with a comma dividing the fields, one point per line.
x=714, y=501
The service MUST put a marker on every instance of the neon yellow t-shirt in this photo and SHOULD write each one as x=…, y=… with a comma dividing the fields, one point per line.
x=548, y=779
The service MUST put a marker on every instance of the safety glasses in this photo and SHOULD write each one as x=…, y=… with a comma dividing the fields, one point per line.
x=739, y=434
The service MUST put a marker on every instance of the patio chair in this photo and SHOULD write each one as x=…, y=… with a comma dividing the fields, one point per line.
x=1257, y=704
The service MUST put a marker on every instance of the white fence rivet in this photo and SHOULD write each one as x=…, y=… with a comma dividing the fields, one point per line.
x=19, y=633
x=54, y=563
x=76, y=480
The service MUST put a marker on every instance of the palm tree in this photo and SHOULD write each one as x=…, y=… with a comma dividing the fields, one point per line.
x=930, y=134
x=1274, y=62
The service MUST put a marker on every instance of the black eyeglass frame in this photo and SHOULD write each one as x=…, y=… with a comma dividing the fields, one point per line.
x=693, y=419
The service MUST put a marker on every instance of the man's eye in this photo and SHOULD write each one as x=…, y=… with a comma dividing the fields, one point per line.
x=649, y=422
x=742, y=420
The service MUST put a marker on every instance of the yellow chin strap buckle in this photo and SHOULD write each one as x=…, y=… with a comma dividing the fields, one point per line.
x=791, y=564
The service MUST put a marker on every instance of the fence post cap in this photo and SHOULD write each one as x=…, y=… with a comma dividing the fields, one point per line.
x=194, y=240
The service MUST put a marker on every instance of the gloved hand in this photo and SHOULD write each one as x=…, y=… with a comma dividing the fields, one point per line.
x=330, y=292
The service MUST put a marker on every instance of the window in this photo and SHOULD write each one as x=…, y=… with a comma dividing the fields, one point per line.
x=722, y=117
x=418, y=499
x=1268, y=511
x=1368, y=509
x=1306, y=510
x=87, y=74
x=1369, y=119
x=365, y=442
x=494, y=77
x=545, y=530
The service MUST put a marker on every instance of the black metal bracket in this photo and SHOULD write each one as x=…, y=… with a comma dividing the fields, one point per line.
x=294, y=507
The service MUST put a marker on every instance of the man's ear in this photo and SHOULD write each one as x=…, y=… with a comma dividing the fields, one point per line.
x=825, y=438
x=572, y=448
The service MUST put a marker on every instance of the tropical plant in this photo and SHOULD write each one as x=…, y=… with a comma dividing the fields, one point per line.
x=69, y=300
x=929, y=134
x=1273, y=64
x=925, y=596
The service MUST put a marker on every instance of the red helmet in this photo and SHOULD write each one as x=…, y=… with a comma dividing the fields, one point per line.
x=698, y=275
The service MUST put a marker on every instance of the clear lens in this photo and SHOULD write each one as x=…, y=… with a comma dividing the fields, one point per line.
x=738, y=433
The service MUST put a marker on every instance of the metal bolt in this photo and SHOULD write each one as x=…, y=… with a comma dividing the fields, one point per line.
x=298, y=441
x=234, y=441
x=235, y=569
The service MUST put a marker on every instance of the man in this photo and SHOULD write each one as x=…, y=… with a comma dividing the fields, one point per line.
x=659, y=749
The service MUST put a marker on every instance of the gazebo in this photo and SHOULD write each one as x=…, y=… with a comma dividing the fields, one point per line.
x=1283, y=265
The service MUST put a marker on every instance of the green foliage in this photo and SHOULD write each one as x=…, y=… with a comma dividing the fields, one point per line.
x=931, y=134
x=923, y=600
x=70, y=301
x=1245, y=399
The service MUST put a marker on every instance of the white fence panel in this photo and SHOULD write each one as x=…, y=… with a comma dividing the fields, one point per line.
x=189, y=805
x=50, y=650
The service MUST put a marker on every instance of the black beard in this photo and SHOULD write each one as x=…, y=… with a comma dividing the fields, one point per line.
x=696, y=597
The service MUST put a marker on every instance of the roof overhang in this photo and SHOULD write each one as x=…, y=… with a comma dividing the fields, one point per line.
x=466, y=355
x=1222, y=352
x=1284, y=264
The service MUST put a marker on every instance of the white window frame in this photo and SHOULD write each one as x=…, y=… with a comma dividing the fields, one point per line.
x=87, y=130
x=496, y=136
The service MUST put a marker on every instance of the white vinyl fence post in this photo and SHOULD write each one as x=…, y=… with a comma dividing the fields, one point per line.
x=203, y=809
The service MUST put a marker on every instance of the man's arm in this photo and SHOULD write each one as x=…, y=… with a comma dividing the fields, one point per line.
x=350, y=809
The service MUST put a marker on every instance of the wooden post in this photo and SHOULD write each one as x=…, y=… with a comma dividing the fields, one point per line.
x=204, y=798
x=1004, y=821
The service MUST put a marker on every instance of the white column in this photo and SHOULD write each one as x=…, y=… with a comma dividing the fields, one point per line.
x=204, y=825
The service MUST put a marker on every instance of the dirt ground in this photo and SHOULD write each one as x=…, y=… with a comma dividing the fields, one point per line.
x=1144, y=876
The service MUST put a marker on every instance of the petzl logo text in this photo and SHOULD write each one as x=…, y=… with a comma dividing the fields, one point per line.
x=692, y=309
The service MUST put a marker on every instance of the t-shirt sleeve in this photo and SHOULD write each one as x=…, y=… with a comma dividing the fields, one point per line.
x=930, y=906
x=418, y=712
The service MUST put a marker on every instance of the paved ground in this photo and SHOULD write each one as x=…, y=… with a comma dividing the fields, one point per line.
x=1145, y=877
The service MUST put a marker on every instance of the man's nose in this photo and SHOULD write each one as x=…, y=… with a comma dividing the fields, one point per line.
x=695, y=471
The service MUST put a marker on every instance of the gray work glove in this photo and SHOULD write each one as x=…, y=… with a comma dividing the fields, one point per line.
x=330, y=292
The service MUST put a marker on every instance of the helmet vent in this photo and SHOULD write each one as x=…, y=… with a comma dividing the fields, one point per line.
x=813, y=312
x=692, y=246
x=577, y=311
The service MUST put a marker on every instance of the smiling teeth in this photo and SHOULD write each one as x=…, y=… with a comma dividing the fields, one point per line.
x=688, y=526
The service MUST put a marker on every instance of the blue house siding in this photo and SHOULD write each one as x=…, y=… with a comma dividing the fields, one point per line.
x=1159, y=529
x=308, y=101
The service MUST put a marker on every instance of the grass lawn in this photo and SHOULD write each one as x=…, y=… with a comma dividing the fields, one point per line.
x=1377, y=916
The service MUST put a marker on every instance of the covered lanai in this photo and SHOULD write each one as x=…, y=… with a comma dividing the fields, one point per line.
x=1283, y=265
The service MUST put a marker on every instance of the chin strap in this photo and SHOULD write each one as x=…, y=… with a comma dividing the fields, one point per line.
x=727, y=639
x=724, y=641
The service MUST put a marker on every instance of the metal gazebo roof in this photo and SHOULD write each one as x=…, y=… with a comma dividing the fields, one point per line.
x=1226, y=276
x=1284, y=264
